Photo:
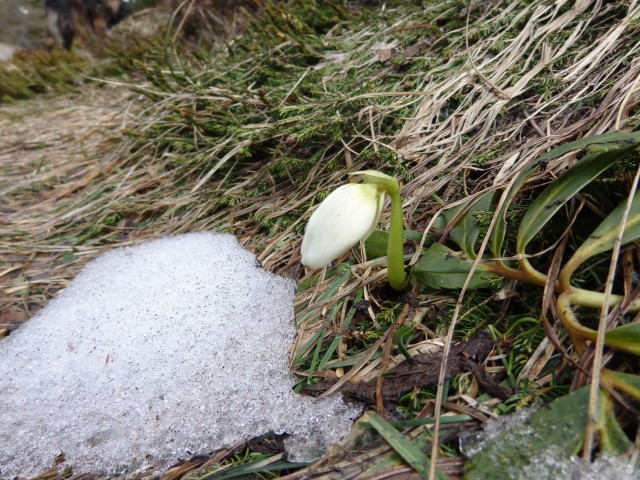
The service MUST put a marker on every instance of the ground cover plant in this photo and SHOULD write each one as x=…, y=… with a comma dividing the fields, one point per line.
x=510, y=127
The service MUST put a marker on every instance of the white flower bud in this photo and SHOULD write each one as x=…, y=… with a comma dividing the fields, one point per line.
x=349, y=214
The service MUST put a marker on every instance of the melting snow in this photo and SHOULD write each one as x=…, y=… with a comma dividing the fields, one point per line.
x=606, y=468
x=472, y=443
x=171, y=348
x=546, y=465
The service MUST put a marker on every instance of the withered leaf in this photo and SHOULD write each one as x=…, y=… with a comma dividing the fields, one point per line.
x=422, y=371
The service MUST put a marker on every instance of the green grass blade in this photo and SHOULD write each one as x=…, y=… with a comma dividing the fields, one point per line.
x=353, y=360
x=261, y=464
x=444, y=420
x=352, y=311
x=308, y=345
x=327, y=355
x=336, y=283
x=408, y=451
x=316, y=355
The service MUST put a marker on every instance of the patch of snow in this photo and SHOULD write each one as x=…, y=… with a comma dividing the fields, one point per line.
x=546, y=465
x=575, y=468
x=614, y=468
x=472, y=443
x=156, y=352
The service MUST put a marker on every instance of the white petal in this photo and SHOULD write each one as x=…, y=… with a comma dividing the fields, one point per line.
x=347, y=215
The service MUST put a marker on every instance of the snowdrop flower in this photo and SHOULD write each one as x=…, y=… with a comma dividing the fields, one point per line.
x=349, y=214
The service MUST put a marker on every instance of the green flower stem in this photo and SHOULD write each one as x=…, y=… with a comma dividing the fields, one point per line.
x=395, y=255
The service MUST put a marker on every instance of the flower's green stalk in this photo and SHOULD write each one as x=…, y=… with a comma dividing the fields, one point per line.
x=395, y=254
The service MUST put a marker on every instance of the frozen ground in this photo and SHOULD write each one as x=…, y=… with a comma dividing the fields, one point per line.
x=175, y=347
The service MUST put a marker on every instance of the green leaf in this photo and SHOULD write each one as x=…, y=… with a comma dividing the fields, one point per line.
x=441, y=267
x=551, y=435
x=466, y=231
x=376, y=244
x=626, y=337
x=606, y=142
x=405, y=448
x=563, y=189
x=342, y=273
x=625, y=382
x=613, y=440
x=500, y=228
x=603, y=238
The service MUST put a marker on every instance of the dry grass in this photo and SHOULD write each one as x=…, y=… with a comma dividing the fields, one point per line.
x=465, y=101
x=52, y=150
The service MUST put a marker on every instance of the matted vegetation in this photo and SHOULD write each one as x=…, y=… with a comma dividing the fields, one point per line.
x=456, y=101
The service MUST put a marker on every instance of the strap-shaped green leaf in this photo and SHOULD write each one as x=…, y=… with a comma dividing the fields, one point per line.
x=595, y=144
x=466, y=232
x=604, y=142
x=500, y=227
x=604, y=237
x=564, y=188
x=625, y=382
x=441, y=267
x=626, y=337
